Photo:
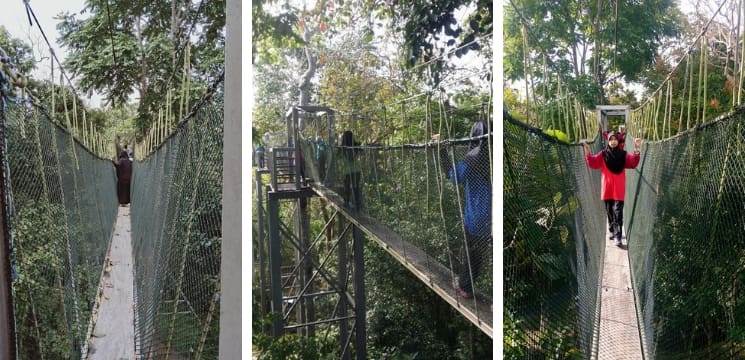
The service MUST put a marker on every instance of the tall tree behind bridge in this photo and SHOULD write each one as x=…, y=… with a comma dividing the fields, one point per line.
x=589, y=43
x=137, y=47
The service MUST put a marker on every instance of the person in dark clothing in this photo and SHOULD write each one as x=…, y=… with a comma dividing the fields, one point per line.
x=321, y=157
x=474, y=171
x=351, y=170
x=123, y=177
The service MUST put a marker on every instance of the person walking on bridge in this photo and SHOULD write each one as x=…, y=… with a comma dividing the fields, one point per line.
x=474, y=171
x=123, y=177
x=612, y=162
x=351, y=170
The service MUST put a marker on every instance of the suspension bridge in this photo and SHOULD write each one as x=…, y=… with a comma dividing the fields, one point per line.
x=83, y=277
x=673, y=289
x=406, y=205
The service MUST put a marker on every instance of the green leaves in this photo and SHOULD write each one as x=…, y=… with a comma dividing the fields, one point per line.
x=580, y=39
x=139, y=52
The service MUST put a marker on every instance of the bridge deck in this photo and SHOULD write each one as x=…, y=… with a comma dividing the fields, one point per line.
x=478, y=310
x=619, y=329
x=113, y=335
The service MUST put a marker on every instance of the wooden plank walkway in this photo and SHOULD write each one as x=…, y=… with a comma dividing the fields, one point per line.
x=478, y=310
x=113, y=335
x=619, y=329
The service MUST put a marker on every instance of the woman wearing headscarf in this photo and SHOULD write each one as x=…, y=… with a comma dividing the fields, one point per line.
x=474, y=171
x=612, y=162
x=351, y=170
x=123, y=177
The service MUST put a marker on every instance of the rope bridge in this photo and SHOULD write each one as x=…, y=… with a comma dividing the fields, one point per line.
x=409, y=205
x=61, y=208
x=684, y=227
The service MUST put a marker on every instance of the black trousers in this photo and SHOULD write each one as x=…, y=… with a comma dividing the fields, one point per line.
x=614, y=209
x=352, y=185
x=478, y=249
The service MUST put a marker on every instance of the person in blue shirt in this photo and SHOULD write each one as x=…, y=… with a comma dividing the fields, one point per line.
x=260, y=155
x=474, y=172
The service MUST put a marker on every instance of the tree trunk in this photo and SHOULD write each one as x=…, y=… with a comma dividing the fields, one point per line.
x=308, y=75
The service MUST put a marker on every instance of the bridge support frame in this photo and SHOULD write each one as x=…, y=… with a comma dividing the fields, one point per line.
x=310, y=266
x=611, y=110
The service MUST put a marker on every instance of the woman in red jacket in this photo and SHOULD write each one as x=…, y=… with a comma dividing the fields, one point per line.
x=612, y=161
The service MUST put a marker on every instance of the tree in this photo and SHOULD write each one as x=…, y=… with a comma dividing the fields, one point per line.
x=431, y=30
x=575, y=39
x=19, y=52
x=139, y=46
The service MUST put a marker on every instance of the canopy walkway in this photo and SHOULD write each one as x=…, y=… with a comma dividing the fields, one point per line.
x=406, y=204
x=75, y=291
x=678, y=273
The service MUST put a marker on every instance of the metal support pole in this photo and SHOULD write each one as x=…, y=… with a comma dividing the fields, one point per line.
x=308, y=304
x=7, y=323
x=274, y=264
x=262, y=252
x=343, y=306
x=296, y=145
x=301, y=273
x=359, y=293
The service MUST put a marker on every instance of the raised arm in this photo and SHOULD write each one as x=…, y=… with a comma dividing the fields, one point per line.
x=632, y=160
x=593, y=161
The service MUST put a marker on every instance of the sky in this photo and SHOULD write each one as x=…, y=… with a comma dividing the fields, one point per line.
x=14, y=18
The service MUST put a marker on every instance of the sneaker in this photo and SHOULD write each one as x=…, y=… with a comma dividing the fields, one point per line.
x=618, y=243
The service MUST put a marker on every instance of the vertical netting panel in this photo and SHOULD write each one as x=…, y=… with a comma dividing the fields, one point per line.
x=64, y=203
x=554, y=224
x=686, y=243
x=176, y=226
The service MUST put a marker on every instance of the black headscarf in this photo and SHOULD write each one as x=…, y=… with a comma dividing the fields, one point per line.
x=615, y=158
x=123, y=155
x=347, y=141
x=477, y=158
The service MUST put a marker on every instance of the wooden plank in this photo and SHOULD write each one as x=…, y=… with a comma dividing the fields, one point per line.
x=618, y=337
x=113, y=334
x=477, y=310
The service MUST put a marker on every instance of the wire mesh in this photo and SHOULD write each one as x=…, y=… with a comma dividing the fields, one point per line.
x=552, y=257
x=686, y=243
x=64, y=202
x=407, y=189
x=176, y=228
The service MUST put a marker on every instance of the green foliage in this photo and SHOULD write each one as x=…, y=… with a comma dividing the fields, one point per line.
x=149, y=49
x=578, y=39
x=290, y=346
x=271, y=31
x=424, y=24
x=40, y=305
x=540, y=275
x=19, y=52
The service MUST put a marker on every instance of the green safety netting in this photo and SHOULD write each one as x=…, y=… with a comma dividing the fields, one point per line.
x=177, y=236
x=684, y=223
x=63, y=209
